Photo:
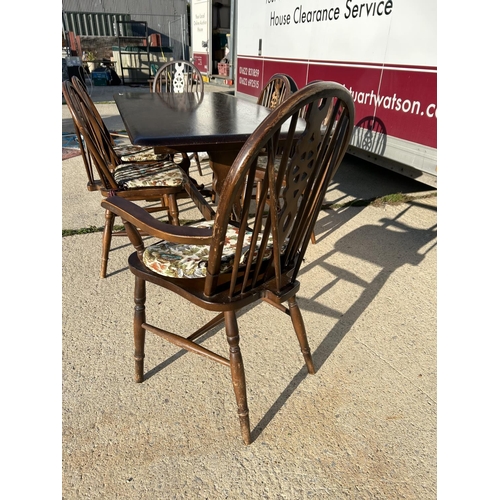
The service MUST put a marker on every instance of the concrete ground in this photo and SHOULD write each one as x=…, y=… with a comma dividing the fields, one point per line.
x=362, y=427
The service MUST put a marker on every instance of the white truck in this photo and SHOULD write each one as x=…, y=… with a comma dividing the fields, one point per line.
x=383, y=51
x=212, y=24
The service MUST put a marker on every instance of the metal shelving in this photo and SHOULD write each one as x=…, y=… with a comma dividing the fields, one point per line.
x=136, y=49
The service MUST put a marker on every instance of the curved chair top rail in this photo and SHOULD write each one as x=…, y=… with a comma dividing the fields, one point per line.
x=178, y=76
x=276, y=90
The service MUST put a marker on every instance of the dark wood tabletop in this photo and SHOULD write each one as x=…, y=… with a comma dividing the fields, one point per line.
x=212, y=121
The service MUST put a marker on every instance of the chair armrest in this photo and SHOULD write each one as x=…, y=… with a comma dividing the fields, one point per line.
x=145, y=222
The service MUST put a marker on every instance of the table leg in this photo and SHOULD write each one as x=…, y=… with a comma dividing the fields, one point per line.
x=220, y=163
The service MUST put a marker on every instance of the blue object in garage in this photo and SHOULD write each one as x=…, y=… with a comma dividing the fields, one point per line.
x=101, y=76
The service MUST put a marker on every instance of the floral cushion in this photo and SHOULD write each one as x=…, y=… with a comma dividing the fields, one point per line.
x=137, y=175
x=190, y=261
x=133, y=153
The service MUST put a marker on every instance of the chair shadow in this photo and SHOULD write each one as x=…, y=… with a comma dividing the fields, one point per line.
x=361, y=181
x=370, y=134
x=389, y=246
x=325, y=226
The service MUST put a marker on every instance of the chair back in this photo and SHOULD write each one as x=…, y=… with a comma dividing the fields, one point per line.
x=92, y=184
x=277, y=89
x=282, y=220
x=98, y=144
x=80, y=88
x=178, y=76
x=90, y=108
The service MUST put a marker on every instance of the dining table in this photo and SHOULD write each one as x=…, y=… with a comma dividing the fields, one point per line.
x=213, y=122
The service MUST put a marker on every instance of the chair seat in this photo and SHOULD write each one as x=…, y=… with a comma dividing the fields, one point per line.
x=137, y=175
x=132, y=153
x=190, y=261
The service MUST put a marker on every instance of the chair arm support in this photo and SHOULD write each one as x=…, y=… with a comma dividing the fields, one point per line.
x=200, y=202
x=144, y=221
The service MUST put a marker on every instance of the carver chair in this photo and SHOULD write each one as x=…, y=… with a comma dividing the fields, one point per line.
x=148, y=181
x=227, y=263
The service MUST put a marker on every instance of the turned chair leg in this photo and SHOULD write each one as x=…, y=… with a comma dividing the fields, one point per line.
x=300, y=330
x=237, y=374
x=173, y=210
x=106, y=241
x=139, y=331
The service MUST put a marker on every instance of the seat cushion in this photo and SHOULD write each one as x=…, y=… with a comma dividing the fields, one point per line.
x=137, y=175
x=190, y=261
x=130, y=153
